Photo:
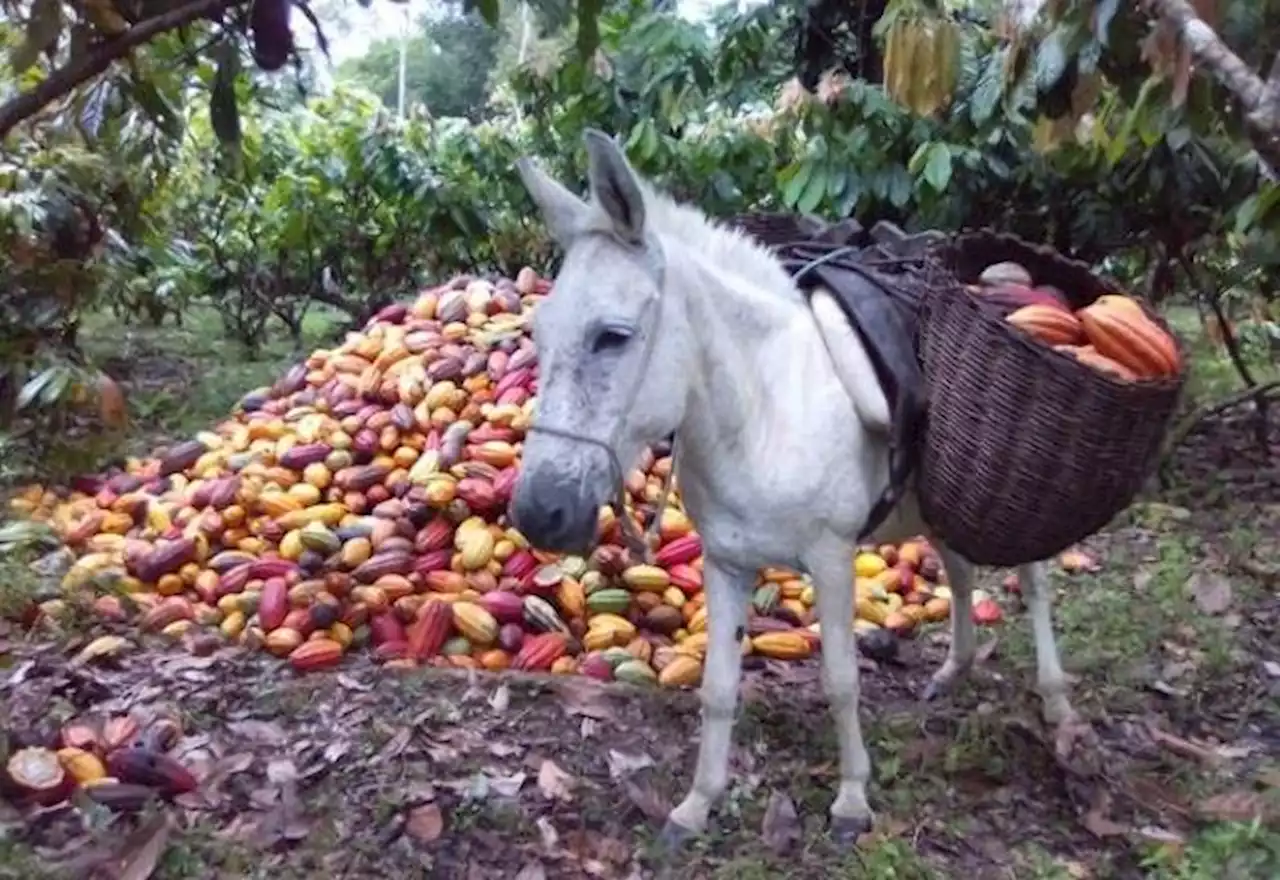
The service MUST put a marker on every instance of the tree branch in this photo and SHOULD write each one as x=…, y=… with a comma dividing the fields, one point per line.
x=1233, y=347
x=80, y=70
x=1180, y=433
x=1260, y=100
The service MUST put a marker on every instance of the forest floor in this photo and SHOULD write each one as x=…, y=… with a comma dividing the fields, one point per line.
x=1172, y=645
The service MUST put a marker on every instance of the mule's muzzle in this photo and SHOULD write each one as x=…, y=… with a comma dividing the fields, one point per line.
x=554, y=516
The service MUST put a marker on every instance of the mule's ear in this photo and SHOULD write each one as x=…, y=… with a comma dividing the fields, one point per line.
x=562, y=211
x=615, y=186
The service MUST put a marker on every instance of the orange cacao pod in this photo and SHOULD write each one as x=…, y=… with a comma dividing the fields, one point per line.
x=1049, y=324
x=1130, y=338
x=315, y=654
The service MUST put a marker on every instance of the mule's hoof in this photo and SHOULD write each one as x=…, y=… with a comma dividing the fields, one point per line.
x=845, y=830
x=673, y=837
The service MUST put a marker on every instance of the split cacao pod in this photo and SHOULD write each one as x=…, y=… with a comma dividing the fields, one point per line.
x=83, y=766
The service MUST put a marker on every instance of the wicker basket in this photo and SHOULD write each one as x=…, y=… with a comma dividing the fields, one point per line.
x=1026, y=450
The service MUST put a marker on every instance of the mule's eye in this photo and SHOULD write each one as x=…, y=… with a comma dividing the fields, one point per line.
x=609, y=339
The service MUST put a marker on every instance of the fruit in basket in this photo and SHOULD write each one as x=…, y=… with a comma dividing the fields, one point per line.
x=1049, y=324
x=1009, y=297
x=1120, y=301
x=1125, y=334
x=1005, y=273
x=1090, y=357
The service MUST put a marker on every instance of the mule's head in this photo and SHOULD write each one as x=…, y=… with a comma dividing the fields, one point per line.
x=611, y=363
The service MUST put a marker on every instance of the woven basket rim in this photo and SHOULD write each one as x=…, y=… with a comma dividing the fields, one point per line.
x=1061, y=359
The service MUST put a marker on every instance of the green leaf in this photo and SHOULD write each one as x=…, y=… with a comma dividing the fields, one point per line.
x=937, y=168
x=53, y=392
x=899, y=186
x=915, y=164
x=988, y=90
x=848, y=202
x=155, y=106
x=814, y=190
x=1051, y=59
x=1120, y=143
x=43, y=29
x=795, y=187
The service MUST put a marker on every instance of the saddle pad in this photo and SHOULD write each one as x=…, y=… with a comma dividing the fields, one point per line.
x=882, y=306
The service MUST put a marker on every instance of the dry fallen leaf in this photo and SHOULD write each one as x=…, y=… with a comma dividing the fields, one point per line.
x=550, y=837
x=281, y=771
x=532, y=871
x=1233, y=806
x=425, y=823
x=394, y=746
x=1211, y=591
x=142, y=850
x=781, y=825
x=553, y=782
x=623, y=764
x=508, y=786
x=1097, y=821
x=268, y=733
x=647, y=800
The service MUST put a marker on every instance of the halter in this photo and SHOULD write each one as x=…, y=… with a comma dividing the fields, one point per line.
x=639, y=543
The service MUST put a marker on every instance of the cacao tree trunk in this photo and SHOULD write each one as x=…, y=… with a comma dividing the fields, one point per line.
x=1259, y=99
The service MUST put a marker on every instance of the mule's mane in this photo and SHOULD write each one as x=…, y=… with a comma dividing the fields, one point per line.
x=726, y=249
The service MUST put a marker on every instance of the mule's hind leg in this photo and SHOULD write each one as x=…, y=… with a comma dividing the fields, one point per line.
x=963, y=646
x=851, y=816
x=726, y=617
x=1051, y=681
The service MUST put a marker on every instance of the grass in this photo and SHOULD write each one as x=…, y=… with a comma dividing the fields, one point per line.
x=1213, y=375
x=216, y=372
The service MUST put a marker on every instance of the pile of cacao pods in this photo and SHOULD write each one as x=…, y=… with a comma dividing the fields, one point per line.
x=116, y=762
x=360, y=503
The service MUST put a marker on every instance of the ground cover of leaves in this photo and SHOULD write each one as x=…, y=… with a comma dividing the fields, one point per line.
x=361, y=772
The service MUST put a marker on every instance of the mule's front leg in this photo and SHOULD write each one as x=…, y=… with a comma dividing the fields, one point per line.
x=725, y=589
x=964, y=645
x=1051, y=681
x=851, y=816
